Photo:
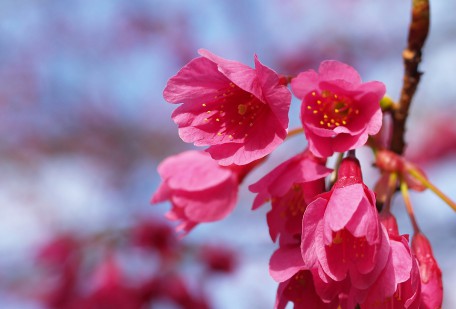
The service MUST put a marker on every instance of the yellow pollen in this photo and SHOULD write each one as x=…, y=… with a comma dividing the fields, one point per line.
x=344, y=122
x=204, y=105
x=217, y=119
x=242, y=109
x=309, y=107
x=338, y=239
x=336, y=110
x=208, y=112
x=325, y=116
x=332, y=120
x=219, y=134
x=315, y=111
x=337, y=124
x=321, y=122
x=230, y=136
x=313, y=93
x=335, y=96
x=318, y=102
x=328, y=124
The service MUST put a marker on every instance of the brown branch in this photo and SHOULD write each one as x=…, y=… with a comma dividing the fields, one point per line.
x=418, y=31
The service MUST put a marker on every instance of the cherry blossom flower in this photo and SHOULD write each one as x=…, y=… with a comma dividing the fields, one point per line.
x=240, y=112
x=342, y=237
x=200, y=190
x=398, y=286
x=290, y=187
x=338, y=110
x=430, y=273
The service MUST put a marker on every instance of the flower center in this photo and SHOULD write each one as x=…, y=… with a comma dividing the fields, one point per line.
x=329, y=110
x=232, y=112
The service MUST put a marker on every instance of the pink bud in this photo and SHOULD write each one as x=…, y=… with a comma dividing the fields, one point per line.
x=430, y=273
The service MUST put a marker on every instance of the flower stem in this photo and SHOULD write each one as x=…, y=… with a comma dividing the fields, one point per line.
x=294, y=132
x=334, y=174
x=428, y=184
x=392, y=181
x=408, y=206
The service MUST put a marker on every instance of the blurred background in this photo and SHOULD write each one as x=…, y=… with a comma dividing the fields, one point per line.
x=83, y=127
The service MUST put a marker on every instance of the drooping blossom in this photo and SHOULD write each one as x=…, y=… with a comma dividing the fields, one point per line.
x=338, y=110
x=342, y=238
x=398, y=286
x=240, y=112
x=199, y=189
x=290, y=187
x=430, y=273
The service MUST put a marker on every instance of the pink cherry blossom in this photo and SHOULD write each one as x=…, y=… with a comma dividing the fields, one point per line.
x=342, y=236
x=338, y=110
x=430, y=273
x=290, y=187
x=199, y=189
x=240, y=112
x=398, y=285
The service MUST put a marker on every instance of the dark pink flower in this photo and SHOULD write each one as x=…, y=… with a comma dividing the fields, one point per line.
x=156, y=235
x=240, y=112
x=199, y=189
x=398, y=286
x=290, y=187
x=430, y=273
x=218, y=258
x=338, y=110
x=342, y=236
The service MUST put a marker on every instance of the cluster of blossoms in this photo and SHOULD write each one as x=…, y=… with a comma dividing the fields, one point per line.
x=338, y=243
x=91, y=273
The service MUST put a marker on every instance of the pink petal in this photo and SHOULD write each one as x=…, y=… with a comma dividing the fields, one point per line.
x=192, y=171
x=305, y=83
x=197, y=80
x=341, y=207
x=335, y=70
x=240, y=74
x=285, y=263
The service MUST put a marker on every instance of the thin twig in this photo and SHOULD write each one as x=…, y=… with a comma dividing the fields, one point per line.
x=418, y=31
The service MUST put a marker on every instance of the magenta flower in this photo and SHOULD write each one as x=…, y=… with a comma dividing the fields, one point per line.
x=399, y=284
x=199, y=189
x=240, y=112
x=338, y=110
x=342, y=236
x=290, y=187
x=430, y=273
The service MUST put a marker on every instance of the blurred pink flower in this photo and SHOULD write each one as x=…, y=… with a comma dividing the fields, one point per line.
x=199, y=189
x=338, y=110
x=290, y=187
x=240, y=112
x=218, y=258
x=342, y=236
x=430, y=273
